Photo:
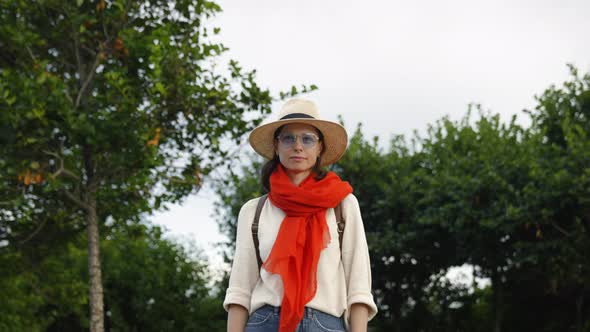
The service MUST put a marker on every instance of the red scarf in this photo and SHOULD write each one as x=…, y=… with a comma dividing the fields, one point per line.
x=302, y=236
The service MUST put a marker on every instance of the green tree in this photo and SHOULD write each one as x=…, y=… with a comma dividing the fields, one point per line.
x=404, y=255
x=151, y=284
x=474, y=175
x=559, y=194
x=512, y=202
x=39, y=256
x=115, y=108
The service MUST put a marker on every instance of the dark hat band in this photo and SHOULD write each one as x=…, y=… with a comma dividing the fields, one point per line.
x=297, y=116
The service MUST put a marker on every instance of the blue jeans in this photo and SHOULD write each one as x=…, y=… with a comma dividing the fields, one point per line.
x=266, y=319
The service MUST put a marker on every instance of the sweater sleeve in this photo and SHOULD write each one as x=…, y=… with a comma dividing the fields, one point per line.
x=244, y=272
x=355, y=257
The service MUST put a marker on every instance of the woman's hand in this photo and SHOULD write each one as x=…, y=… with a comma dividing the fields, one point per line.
x=359, y=317
x=237, y=317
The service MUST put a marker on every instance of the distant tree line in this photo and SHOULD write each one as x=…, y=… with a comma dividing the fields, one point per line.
x=151, y=283
x=513, y=202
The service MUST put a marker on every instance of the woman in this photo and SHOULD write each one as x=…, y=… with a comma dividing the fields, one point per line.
x=307, y=282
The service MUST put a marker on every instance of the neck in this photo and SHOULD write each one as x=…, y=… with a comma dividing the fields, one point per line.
x=297, y=177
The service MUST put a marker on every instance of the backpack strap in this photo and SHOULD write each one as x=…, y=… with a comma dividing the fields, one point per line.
x=259, y=207
x=340, y=221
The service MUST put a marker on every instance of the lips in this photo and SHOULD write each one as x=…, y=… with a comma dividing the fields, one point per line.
x=297, y=158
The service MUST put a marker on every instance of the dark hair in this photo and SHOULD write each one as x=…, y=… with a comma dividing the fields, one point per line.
x=269, y=167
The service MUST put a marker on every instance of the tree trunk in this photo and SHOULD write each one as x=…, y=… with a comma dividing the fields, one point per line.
x=498, y=302
x=94, y=268
x=579, y=307
x=396, y=315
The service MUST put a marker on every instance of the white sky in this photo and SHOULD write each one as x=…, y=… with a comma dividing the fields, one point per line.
x=396, y=66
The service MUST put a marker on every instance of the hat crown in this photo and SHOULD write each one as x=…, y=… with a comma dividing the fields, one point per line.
x=299, y=108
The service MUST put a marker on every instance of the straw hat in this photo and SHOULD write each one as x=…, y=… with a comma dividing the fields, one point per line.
x=301, y=111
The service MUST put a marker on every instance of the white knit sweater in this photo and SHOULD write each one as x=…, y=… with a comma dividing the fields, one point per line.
x=341, y=283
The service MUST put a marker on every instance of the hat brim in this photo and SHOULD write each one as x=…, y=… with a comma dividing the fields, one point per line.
x=335, y=138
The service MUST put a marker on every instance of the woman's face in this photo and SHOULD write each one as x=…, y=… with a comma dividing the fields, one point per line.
x=298, y=147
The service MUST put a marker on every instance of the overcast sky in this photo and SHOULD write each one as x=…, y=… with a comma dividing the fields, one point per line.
x=396, y=66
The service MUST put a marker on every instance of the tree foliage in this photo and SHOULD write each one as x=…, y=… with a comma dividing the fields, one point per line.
x=511, y=202
x=112, y=109
x=151, y=284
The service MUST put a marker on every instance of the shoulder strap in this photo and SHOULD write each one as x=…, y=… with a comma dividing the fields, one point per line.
x=341, y=222
x=255, y=228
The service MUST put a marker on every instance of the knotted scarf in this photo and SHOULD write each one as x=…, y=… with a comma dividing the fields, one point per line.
x=302, y=236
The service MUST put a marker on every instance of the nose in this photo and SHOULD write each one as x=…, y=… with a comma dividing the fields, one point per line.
x=298, y=144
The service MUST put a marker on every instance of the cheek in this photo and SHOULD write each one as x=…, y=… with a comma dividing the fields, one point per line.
x=281, y=154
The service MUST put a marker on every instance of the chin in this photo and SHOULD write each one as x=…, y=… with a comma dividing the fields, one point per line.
x=298, y=168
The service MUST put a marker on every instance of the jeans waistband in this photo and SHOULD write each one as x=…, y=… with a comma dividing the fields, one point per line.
x=307, y=313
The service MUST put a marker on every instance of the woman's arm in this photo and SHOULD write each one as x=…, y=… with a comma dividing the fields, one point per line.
x=359, y=317
x=244, y=272
x=237, y=317
x=357, y=267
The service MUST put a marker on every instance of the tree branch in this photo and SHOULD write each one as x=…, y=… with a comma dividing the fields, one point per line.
x=77, y=53
x=61, y=169
x=37, y=230
x=76, y=200
x=561, y=230
x=128, y=21
x=89, y=50
x=586, y=222
x=68, y=97
x=31, y=53
x=87, y=80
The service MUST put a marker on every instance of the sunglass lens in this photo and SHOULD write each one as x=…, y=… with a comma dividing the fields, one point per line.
x=308, y=140
x=288, y=139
